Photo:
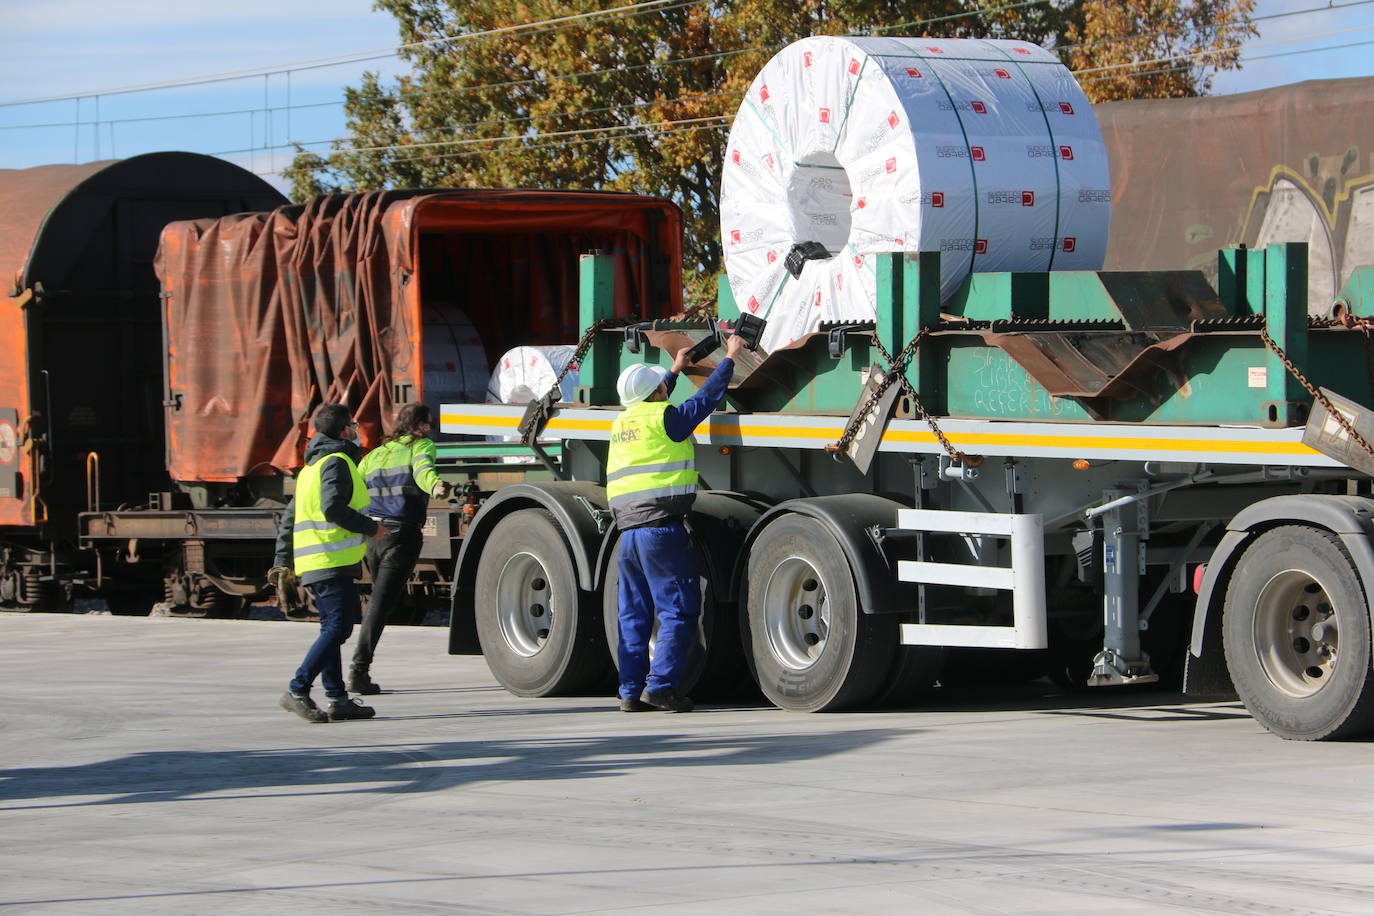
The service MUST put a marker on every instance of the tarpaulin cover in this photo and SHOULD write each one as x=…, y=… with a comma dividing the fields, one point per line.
x=986, y=151
x=270, y=314
x=1291, y=164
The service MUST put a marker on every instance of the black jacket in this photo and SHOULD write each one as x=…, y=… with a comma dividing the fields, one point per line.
x=336, y=489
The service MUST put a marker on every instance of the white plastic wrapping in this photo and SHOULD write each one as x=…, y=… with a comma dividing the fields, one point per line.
x=986, y=151
x=527, y=373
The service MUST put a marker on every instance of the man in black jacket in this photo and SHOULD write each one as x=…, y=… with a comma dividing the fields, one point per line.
x=321, y=539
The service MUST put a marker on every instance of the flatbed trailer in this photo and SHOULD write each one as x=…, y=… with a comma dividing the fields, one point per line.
x=854, y=549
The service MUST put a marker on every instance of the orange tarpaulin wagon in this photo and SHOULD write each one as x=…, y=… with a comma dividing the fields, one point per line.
x=376, y=299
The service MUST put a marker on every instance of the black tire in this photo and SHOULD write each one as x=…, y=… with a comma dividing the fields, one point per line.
x=716, y=669
x=914, y=668
x=810, y=646
x=1295, y=627
x=539, y=633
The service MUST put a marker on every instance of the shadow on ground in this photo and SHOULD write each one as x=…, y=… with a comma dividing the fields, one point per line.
x=160, y=776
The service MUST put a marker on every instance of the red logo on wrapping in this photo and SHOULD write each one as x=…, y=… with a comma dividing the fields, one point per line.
x=979, y=107
x=893, y=120
x=899, y=241
x=770, y=160
x=1002, y=74
x=817, y=303
x=506, y=362
x=1028, y=198
x=854, y=65
x=753, y=304
x=858, y=260
x=772, y=256
x=1069, y=244
x=839, y=281
x=806, y=58
x=861, y=202
x=977, y=153
x=825, y=115
x=934, y=50
x=734, y=156
x=534, y=360
x=1066, y=108
x=913, y=73
x=763, y=93
x=1021, y=51
x=1066, y=152
x=937, y=198
x=734, y=236
x=980, y=246
x=891, y=165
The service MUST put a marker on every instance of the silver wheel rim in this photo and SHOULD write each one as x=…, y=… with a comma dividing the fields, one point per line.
x=523, y=606
x=796, y=613
x=1296, y=635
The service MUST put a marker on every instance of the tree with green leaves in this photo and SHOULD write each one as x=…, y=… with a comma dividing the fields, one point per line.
x=640, y=97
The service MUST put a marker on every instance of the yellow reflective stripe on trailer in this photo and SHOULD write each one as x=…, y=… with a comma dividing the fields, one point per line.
x=1234, y=445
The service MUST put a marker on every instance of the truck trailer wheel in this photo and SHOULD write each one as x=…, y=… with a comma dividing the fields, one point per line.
x=538, y=635
x=716, y=669
x=812, y=648
x=1296, y=633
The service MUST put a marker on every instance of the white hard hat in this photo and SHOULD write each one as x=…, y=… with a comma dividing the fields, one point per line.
x=639, y=381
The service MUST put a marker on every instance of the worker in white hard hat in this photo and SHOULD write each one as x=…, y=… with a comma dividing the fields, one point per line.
x=651, y=482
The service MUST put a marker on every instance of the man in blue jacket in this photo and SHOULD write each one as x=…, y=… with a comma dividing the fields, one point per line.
x=321, y=539
x=651, y=483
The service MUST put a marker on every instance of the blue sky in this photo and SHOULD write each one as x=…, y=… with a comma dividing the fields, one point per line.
x=67, y=48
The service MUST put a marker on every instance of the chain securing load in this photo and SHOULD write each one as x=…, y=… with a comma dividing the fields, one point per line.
x=537, y=414
x=1331, y=409
x=896, y=374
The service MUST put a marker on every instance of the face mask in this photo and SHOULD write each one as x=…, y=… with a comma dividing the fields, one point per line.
x=355, y=439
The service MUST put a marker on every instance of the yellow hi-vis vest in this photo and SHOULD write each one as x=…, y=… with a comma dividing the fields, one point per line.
x=644, y=464
x=316, y=542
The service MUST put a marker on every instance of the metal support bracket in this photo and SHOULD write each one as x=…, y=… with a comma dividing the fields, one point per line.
x=1121, y=661
x=1024, y=578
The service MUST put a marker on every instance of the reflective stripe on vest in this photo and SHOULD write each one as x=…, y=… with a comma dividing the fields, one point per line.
x=318, y=543
x=644, y=464
x=397, y=469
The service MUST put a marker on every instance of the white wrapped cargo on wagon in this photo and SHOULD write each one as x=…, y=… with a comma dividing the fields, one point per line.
x=527, y=373
x=986, y=151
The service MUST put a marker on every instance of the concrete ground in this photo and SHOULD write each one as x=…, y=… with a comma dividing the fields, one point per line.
x=147, y=769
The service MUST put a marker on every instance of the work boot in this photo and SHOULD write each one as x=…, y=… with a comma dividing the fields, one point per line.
x=633, y=704
x=361, y=683
x=302, y=706
x=349, y=709
x=666, y=699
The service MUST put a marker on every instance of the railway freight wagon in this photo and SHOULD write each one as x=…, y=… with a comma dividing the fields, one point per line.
x=371, y=300
x=81, y=375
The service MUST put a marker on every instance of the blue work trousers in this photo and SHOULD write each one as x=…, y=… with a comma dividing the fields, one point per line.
x=658, y=577
x=336, y=601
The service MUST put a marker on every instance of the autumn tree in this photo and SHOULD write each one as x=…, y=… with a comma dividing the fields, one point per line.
x=582, y=94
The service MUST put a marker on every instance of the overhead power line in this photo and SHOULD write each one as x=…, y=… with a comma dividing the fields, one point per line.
x=365, y=56
x=1111, y=71
x=568, y=22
